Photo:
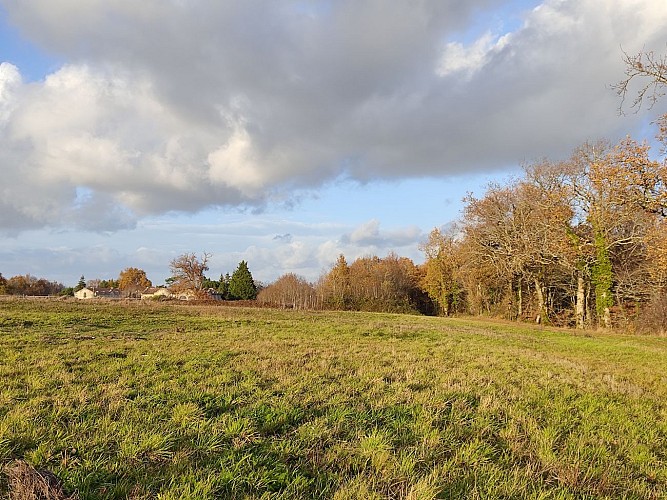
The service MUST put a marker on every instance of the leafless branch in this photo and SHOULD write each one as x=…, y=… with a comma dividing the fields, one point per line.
x=651, y=70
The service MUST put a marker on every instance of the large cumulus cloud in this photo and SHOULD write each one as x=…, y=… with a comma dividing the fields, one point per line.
x=172, y=105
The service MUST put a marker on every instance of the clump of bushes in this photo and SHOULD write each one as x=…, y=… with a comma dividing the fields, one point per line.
x=653, y=318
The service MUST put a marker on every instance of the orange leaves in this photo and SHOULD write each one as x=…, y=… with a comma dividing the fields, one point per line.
x=629, y=177
x=188, y=271
x=133, y=279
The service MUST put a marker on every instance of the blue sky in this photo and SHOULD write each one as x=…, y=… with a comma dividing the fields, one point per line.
x=34, y=62
x=281, y=135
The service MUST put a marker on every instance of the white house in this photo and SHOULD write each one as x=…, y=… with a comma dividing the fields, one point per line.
x=85, y=293
x=156, y=293
x=97, y=293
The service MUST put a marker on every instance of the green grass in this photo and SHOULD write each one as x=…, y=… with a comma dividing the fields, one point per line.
x=168, y=401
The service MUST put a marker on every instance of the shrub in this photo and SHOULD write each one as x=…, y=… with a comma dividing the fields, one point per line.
x=653, y=318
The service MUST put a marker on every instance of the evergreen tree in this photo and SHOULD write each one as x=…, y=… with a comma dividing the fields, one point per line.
x=241, y=284
x=223, y=285
x=81, y=284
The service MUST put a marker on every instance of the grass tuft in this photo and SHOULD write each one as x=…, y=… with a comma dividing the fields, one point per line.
x=25, y=482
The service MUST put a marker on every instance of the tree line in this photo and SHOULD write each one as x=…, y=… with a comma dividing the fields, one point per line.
x=580, y=242
x=29, y=285
x=390, y=284
x=188, y=274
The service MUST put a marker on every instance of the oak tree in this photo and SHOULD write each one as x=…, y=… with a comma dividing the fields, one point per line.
x=187, y=272
x=132, y=281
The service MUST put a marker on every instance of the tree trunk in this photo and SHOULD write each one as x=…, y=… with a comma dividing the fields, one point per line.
x=519, y=305
x=445, y=304
x=606, y=317
x=589, y=309
x=541, y=314
x=580, y=306
x=602, y=275
x=510, y=297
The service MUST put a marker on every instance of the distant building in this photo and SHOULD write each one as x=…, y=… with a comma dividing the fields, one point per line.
x=213, y=294
x=185, y=295
x=97, y=293
x=85, y=293
x=156, y=293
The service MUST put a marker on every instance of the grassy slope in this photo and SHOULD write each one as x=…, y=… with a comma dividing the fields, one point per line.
x=181, y=401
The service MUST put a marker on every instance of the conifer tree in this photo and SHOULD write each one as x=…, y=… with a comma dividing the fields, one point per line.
x=81, y=284
x=241, y=284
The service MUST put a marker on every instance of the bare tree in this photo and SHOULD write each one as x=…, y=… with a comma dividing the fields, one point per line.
x=651, y=70
x=188, y=272
x=289, y=291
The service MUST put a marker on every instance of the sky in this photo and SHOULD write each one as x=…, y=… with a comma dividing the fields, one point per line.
x=285, y=133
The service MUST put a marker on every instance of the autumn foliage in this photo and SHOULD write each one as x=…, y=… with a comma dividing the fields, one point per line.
x=390, y=284
x=578, y=243
x=132, y=281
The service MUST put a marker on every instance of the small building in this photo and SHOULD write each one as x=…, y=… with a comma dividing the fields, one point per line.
x=97, y=293
x=213, y=294
x=85, y=293
x=186, y=295
x=156, y=293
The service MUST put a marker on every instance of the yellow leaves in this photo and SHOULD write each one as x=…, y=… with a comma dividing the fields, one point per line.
x=133, y=278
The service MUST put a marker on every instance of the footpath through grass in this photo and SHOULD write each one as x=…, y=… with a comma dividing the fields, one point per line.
x=169, y=401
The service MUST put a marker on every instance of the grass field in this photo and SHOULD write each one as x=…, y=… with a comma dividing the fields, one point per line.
x=172, y=401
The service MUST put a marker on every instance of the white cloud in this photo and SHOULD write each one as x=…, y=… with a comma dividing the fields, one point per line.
x=369, y=235
x=301, y=248
x=457, y=58
x=180, y=106
x=234, y=165
x=10, y=81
